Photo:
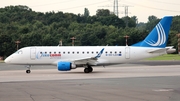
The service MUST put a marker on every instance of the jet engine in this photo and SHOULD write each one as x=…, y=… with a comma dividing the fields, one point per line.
x=65, y=66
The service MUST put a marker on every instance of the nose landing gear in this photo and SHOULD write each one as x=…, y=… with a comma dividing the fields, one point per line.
x=28, y=69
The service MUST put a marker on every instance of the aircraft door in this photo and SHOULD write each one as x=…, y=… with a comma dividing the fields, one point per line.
x=33, y=53
x=127, y=52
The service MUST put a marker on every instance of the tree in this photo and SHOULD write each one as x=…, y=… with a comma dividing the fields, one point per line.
x=130, y=22
x=86, y=12
x=152, y=21
x=6, y=43
x=152, y=18
x=102, y=12
x=37, y=28
x=176, y=24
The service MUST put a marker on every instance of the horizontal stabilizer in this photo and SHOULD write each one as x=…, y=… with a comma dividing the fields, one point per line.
x=157, y=50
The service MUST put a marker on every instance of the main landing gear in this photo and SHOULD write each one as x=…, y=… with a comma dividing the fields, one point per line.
x=88, y=69
x=28, y=69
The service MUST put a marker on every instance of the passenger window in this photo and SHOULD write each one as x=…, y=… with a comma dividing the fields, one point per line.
x=63, y=52
x=77, y=52
x=92, y=52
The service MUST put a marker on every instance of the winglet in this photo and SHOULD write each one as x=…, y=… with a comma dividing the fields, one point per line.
x=99, y=54
x=158, y=36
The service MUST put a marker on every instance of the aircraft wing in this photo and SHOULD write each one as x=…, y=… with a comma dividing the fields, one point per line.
x=89, y=60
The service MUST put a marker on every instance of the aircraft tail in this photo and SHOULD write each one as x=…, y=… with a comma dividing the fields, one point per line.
x=158, y=36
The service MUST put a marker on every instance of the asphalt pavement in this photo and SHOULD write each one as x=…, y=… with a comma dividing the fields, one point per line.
x=140, y=81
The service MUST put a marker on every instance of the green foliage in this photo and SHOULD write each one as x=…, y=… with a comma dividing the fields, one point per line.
x=152, y=21
x=166, y=57
x=176, y=23
x=86, y=12
x=103, y=12
x=47, y=29
x=130, y=22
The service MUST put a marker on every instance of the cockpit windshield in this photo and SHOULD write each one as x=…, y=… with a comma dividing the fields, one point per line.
x=19, y=52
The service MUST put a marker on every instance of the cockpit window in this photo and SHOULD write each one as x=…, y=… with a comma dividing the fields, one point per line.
x=19, y=52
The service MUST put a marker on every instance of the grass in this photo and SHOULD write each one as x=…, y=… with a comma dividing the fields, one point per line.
x=166, y=57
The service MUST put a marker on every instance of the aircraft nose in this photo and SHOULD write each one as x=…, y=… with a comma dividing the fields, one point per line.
x=7, y=60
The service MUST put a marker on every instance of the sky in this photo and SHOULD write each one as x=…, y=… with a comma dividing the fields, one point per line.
x=140, y=8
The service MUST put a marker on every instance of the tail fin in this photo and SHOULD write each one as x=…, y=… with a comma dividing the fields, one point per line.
x=158, y=36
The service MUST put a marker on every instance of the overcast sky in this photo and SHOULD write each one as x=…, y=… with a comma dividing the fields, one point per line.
x=140, y=8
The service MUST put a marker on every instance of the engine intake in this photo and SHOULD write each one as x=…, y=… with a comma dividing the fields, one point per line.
x=65, y=66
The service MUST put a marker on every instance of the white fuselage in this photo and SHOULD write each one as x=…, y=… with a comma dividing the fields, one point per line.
x=51, y=55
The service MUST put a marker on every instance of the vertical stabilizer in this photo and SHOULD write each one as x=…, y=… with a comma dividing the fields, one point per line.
x=158, y=36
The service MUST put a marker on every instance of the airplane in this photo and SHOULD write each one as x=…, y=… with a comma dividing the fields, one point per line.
x=67, y=58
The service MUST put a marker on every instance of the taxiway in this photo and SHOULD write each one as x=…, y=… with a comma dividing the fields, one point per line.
x=130, y=82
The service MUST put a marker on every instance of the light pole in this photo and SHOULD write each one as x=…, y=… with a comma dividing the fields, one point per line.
x=60, y=43
x=17, y=44
x=126, y=36
x=73, y=39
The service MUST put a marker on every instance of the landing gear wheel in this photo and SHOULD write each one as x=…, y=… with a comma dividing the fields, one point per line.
x=86, y=70
x=28, y=71
x=90, y=69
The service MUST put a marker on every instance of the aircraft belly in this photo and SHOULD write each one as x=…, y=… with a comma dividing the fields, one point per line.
x=115, y=60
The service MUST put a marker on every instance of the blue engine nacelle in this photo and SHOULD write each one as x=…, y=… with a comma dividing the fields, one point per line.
x=65, y=66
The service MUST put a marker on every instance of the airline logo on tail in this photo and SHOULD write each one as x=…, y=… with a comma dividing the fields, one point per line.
x=161, y=37
x=158, y=36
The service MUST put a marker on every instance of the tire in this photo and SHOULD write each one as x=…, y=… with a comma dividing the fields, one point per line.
x=86, y=70
x=90, y=69
x=28, y=71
